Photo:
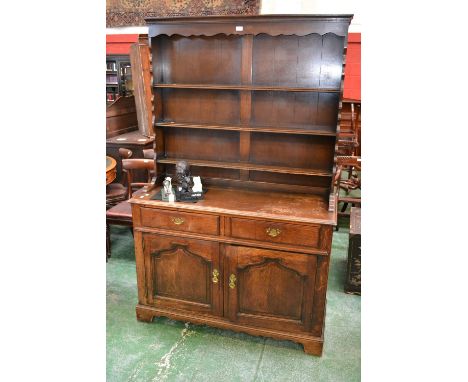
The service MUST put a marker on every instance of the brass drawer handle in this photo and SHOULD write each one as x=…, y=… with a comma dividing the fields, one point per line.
x=232, y=281
x=273, y=232
x=215, y=276
x=178, y=221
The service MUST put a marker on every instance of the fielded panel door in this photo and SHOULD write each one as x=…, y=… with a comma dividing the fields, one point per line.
x=269, y=288
x=182, y=274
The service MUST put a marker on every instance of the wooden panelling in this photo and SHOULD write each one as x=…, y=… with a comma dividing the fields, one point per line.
x=200, y=59
x=206, y=172
x=206, y=106
x=206, y=144
x=257, y=279
x=292, y=150
x=291, y=179
x=179, y=273
x=300, y=110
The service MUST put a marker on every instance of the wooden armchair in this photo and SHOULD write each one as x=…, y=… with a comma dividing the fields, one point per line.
x=121, y=213
x=348, y=143
x=117, y=192
x=148, y=153
x=353, y=182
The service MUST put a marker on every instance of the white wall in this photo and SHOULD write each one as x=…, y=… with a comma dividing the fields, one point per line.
x=315, y=7
x=127, y=30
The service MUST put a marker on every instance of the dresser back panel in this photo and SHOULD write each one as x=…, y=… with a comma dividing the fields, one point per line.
x=292, y=150
x=292, y=179
x=298, y=61
x=201, y=106
x=294, y=109
x=207, y=172
x=202, y=144
x=199, y=59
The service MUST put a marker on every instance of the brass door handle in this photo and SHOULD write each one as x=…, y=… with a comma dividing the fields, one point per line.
x=232, y=281
x=215, y=276
x=273, y=232
x=177, y=221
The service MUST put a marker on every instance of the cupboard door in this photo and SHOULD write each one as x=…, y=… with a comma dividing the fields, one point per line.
x=271, y=289
x=182, y=274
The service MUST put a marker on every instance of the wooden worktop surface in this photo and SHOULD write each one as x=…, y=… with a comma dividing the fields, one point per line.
x=131, y=138
x=304, y=208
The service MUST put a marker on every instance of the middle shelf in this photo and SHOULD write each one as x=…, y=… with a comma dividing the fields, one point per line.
x=311, y=130
x=248, y=87
x=247, y=166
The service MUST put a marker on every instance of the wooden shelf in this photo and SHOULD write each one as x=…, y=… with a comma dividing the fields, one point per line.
x=246, y=87
x=247, y=166
x=313, y=130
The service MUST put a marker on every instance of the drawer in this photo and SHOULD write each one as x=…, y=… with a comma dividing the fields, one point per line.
x=180, y=221
x=285, y=233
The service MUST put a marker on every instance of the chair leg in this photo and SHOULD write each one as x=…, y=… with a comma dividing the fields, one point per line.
x=108, y=254
x=350, y=172
x=345, y=205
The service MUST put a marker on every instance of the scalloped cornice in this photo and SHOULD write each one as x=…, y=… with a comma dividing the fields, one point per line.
x=274, y=25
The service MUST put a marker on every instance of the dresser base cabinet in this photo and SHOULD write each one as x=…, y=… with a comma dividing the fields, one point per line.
x=195, y=268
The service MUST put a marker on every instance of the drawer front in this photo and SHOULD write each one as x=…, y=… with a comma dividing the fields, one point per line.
x=285, y=233
x=180, y=221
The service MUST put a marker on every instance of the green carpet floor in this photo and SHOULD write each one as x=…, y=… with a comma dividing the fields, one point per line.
x=167, y=350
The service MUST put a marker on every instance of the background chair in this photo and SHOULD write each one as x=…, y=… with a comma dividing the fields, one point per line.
x=117, y=192
x=349, y=188
x=121, y=213
x=148, y=153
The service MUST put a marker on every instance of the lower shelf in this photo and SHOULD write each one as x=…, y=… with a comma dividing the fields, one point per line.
x=312, y=345
x=310, y=130
x=247, y=166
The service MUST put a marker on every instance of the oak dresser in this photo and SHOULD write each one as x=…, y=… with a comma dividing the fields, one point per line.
x=252, y=104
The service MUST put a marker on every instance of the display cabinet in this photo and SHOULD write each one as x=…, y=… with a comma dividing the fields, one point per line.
x=118, y=77
x=253, y=105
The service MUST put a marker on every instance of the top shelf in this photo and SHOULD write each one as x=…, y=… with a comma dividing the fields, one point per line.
x=246, y=87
